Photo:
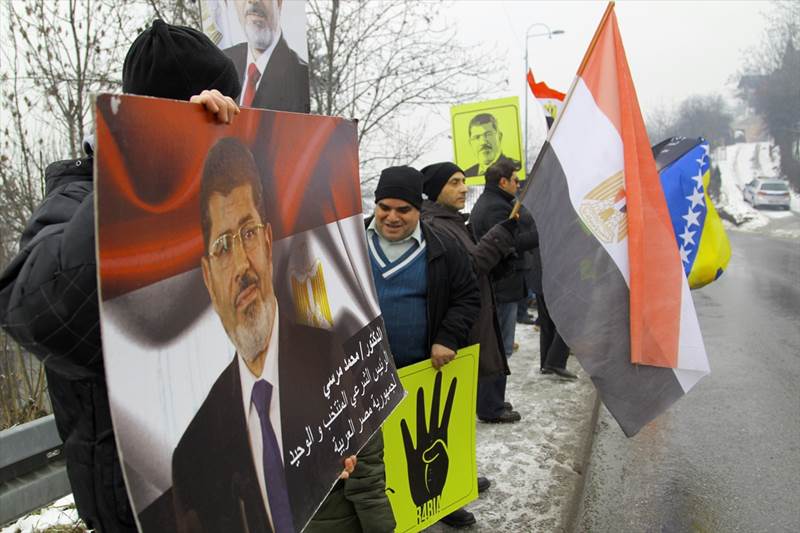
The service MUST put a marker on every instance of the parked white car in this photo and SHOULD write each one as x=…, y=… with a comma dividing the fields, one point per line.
x=763, y=192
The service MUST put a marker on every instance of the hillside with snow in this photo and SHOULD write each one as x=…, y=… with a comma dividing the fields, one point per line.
x=739, y=164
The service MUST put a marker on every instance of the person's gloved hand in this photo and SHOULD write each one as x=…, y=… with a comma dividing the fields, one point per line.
x=511, y=224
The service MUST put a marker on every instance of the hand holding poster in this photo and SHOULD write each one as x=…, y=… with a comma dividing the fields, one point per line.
x=430, y=442
x=243, y=346
x=484, y=133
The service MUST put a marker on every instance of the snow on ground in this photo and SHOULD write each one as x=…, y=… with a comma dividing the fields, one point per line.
x=535, y=465
x=739, y=164
x=61, y=515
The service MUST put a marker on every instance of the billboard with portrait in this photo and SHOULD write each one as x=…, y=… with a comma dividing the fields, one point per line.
x=484, y=133
x=266, y=40
x=429, y=442
x=243, y=344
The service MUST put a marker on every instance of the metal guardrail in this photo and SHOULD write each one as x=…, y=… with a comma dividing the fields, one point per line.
x=32, y=469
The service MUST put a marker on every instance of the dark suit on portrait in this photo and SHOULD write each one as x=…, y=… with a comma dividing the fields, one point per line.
x=214, y=481
x=473, y=170
x=284, y=83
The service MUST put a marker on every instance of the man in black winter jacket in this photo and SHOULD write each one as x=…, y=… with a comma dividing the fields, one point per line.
x=510, y=277
x=445, y=187
x=522, y=272
x=48, y=292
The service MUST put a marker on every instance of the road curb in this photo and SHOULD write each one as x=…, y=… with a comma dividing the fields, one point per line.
x=570, y=508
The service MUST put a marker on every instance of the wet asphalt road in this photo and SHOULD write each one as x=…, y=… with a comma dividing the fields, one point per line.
x=726, y=457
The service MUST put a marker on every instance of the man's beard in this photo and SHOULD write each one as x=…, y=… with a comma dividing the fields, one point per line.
x=488, y=155
x=250, y=336
x=260, y=37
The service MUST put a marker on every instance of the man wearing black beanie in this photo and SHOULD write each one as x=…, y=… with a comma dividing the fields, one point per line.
x=425, y=284
x=446, y=190
x=48, y=292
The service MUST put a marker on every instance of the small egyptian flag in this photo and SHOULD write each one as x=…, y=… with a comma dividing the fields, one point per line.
x=550, y=99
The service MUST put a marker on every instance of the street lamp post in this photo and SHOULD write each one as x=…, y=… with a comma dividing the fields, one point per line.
x=549, y=33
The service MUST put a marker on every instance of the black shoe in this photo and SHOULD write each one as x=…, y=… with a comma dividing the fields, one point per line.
x=527, y=319
x=545, y=371
x=507, y=406
x=561, y=372
x=459, y=518
x=483, y=484
x=506, y=417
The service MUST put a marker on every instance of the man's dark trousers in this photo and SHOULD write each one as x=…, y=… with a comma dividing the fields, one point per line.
x=553, y=351
x=492, y=389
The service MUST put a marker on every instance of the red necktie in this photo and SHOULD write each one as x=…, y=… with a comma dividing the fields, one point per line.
x=253, y=76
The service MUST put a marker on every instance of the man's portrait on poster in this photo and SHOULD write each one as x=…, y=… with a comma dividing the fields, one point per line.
x=236, y=439
x=272, y=74
x=486, y=142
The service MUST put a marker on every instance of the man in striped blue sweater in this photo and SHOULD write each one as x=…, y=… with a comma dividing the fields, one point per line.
x=426, y=288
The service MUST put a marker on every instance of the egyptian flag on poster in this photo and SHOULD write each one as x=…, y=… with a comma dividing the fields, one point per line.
x=551, y=100
x=612, y=274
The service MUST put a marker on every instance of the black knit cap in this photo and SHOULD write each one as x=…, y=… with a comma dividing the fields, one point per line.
x=403, y=183
x=177, y=62
x=436, y=176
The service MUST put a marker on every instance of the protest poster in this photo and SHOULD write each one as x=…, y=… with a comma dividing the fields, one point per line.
x=430, y=442
x=485, y=133
x=266, y=40
x=235, y=281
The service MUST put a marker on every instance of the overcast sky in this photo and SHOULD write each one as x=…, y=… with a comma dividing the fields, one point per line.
x=675, y=49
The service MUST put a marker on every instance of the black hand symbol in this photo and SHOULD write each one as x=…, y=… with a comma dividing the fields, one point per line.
x=428, y=462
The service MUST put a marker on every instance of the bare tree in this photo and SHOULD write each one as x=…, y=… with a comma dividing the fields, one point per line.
x=782, y=27
x=22, y=385
x=770, y=83
x=660, y=123
x=705, y=116
x=180, y=12
x=388, y=64
x=696, y=116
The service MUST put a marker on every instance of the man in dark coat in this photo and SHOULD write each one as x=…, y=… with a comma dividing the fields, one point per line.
x=425, y=284
x=444, y=185
x=522, y=271
x=48, y=293
x=272, y=75
x=509, y=277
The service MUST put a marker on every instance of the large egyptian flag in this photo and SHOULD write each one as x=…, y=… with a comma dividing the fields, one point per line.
x=612, y=274
x=551, y=100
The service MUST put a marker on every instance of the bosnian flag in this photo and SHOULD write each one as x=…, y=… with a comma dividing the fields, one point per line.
x=551, y=100
x=612, y=274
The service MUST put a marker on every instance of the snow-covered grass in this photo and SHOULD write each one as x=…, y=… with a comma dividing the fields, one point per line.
x=59, y=517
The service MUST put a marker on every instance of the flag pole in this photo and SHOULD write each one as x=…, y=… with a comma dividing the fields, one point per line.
x=592, y=44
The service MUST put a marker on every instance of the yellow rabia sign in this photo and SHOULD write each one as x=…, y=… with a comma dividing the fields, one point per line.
x=430, y=442
x=485, y=133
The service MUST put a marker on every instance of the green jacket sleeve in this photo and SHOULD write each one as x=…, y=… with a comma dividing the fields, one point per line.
x=366, y=488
